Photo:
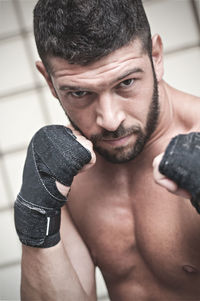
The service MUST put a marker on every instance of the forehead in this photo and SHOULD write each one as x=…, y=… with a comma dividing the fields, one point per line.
x=117, y=61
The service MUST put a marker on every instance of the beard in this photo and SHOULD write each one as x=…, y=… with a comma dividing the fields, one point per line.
x=125, y=154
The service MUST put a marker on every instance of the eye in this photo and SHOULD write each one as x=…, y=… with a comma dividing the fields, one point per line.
x=126, y=83
x=78, y=94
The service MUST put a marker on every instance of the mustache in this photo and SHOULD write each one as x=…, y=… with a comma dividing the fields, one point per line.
x=118, y=133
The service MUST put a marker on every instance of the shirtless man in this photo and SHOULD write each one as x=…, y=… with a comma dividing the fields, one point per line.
x=98, y=61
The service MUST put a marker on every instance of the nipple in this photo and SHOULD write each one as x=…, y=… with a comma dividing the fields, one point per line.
x=189, y=269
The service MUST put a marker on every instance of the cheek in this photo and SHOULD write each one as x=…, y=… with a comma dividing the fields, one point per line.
x=83, y=119
x=146, y=96
x=138, y=107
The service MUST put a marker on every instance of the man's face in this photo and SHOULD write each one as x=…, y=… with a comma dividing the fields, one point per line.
x=113, y=102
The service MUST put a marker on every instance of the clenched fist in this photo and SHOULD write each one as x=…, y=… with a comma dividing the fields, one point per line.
x=55, y=155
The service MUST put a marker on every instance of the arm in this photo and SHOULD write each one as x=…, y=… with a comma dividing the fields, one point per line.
x=62, y=272
x=53, y=257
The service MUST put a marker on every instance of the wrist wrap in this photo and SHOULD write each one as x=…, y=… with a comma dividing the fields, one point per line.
x=53, y=154
x=181, y=164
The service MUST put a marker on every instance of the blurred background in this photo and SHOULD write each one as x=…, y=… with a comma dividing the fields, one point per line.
x=26, y=103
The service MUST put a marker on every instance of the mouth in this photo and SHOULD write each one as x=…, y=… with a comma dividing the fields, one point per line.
x=121, y=141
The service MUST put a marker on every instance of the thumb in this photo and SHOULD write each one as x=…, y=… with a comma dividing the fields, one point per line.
x=165, y=182
x=64, y=190
x=161, y=179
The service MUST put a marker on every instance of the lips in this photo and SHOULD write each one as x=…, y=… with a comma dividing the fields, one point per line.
x=116, y=141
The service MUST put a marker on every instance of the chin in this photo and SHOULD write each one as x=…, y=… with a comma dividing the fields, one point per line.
x=119, y=155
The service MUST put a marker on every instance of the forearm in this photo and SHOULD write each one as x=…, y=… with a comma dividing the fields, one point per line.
x=47, y=274
x=54, y=156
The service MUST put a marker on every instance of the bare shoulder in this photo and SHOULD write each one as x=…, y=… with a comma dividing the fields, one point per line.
x=187, y=107
x=78, y=253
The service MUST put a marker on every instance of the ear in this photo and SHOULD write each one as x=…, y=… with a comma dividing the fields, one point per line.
x=157, y=56
x=41, y=68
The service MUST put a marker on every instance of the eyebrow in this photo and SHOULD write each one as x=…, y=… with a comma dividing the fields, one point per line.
x=73, y=88
x=121, y=77
x=127, y=73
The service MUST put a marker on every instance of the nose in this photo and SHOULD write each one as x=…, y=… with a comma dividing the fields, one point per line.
x=109, y=112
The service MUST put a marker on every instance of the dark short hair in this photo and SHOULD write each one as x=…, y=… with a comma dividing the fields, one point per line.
x=83, y=31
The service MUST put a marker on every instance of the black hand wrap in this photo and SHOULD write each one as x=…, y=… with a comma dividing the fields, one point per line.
x=53, y=154
x=181, y=164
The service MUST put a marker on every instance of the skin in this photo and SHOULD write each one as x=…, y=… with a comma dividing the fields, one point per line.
x=137, y=226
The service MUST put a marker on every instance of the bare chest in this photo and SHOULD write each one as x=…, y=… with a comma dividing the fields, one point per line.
x=148, y=236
